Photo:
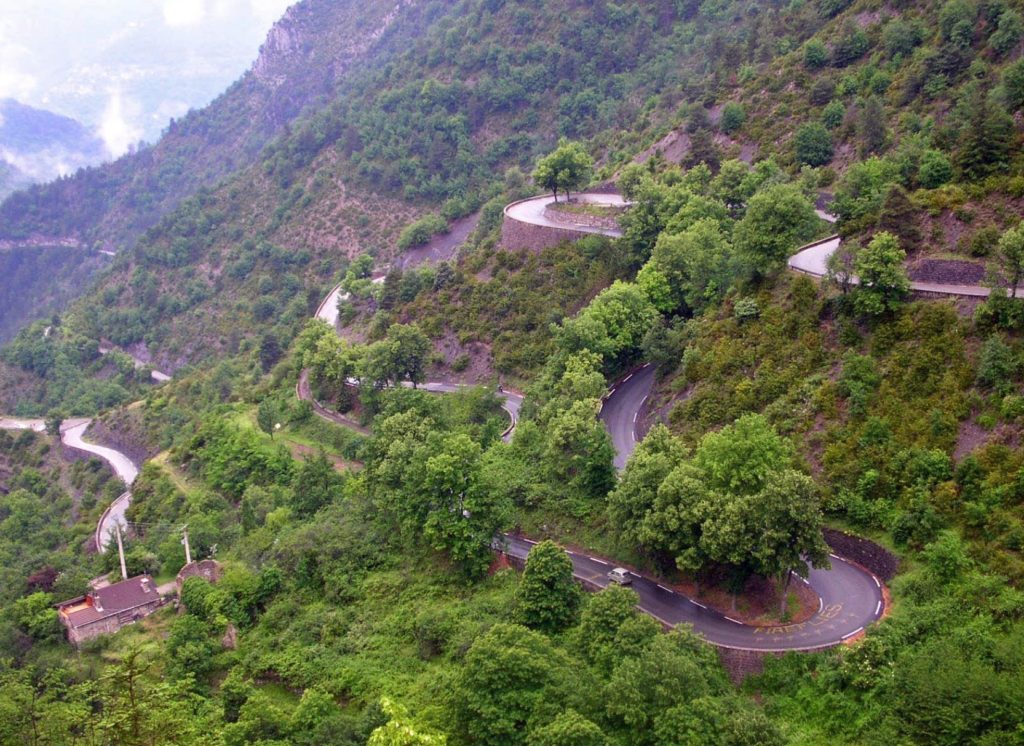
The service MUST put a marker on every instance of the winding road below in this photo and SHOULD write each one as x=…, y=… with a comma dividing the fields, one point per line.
x=850, y=597
x=533, y=212
x=71, y=435
x=812, y=259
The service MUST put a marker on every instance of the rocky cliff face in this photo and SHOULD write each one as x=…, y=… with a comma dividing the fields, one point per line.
x=305, y=54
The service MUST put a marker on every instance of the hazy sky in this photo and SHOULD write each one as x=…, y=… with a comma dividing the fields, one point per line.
x=126, y=67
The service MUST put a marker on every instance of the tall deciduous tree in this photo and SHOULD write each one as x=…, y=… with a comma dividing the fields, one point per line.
x=779, y=218
x=1010, y=256
x=509, y=676
x=568, y=729
x=548, y=596
x=566, y=168
x=266, y=416
x=883, y=278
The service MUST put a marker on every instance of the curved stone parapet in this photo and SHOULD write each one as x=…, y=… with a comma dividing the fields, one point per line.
x=528, y=224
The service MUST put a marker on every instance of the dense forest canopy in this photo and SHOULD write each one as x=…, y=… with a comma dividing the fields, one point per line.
x=355, y=512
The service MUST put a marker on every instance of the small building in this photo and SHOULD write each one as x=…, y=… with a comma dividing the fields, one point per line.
x=106, y=610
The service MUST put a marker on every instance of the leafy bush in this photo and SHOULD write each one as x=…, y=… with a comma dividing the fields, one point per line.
x=813, y=144
x=418, y=233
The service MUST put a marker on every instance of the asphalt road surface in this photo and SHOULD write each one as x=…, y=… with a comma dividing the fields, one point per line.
x=850, y=600
x=532, y=211
x=621, y=410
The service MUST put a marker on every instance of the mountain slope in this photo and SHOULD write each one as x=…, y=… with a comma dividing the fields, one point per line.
x=312, y=46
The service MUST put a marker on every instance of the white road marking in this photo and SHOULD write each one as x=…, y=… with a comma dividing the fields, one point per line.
x=595, y=559
x=529, y=541
x=627, y=378
x=876, y=582
x=878, y=608
x=733, y=620
x=664, y=588
x=634, y=417
x=851, y=634
x=835, y=556
x=643, y=401
x=821, y=604
x=698, y=603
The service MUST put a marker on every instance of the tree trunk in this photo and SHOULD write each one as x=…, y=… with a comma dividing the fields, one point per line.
x=785, y=591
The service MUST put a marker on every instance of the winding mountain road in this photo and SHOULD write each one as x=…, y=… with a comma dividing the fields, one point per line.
x=621, y=409
x=71, y=435
x=812, y=259
x=532, y=211
x=850, y=597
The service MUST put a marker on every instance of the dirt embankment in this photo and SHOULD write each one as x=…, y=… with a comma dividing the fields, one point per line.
x=124, y=431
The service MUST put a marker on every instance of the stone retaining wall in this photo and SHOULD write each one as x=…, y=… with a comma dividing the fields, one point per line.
x=864, y=552
x=519, y=236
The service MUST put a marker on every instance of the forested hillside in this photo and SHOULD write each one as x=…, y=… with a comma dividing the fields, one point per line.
x=355, y=494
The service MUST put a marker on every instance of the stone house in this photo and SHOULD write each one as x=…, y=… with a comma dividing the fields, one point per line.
x=106, y=610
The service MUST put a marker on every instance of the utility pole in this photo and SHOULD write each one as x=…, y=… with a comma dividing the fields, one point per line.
x=184, y=540
x=120, y=552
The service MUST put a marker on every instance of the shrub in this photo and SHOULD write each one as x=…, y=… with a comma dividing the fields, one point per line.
x=418, y=233
x=815, y=54
x=813, y=144
x=997, y=366
x=832, y=115
x=936, y=169
x=746, y=309
x=733, y=117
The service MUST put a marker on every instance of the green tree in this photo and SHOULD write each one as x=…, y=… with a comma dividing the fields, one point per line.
x=652, y=461
x=316, y=484
x=899, y=217
x=401, y=731
x=567, y=168
x=813, y=144
x=935, y=170
x=578, y=454
x=1013, y=85
x=779, y=219
x=36, y=617
x=267, y=416
x=1010, y=257
x=883, y=281
x=997, y=365
x=675, y=669
x=408, y=348
x=871, y=127
x=815, y=55
x=984, y=147
x=510, y=676
x=548, y=596
x=733, y=117
x=448, y=501
x=833, y=114
x=568, y=729
x=611, y=629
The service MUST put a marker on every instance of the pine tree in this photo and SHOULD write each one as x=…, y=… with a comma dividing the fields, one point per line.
x=985, y=139
x=899, y=217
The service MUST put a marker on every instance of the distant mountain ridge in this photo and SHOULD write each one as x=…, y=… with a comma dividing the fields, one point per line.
x=38, y=145
x=306, y=52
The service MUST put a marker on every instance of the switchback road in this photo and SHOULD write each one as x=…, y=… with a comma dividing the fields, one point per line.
x=850, y=600
x=622, y=408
